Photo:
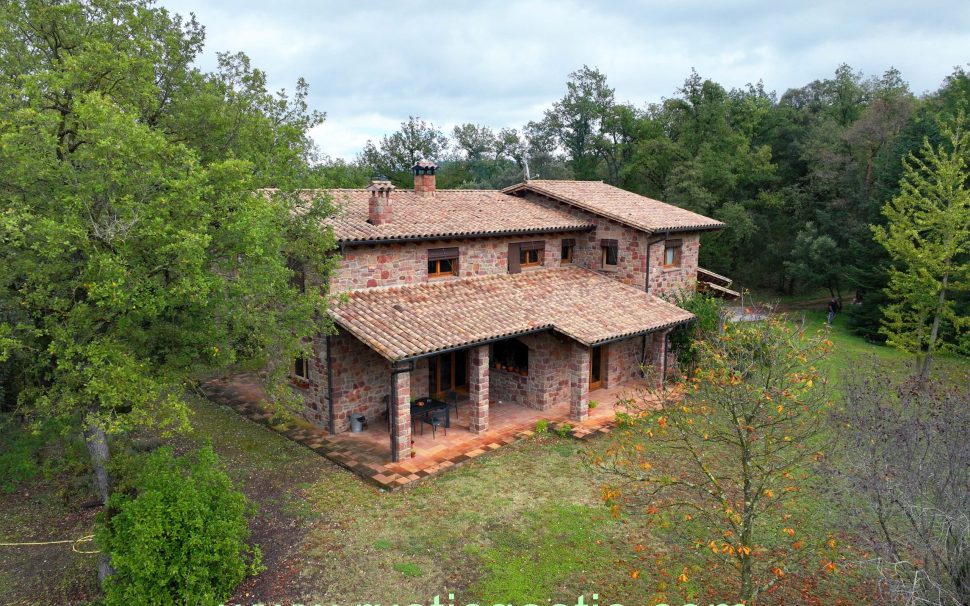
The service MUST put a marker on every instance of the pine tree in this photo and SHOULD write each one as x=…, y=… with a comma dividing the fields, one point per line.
x=928, y=238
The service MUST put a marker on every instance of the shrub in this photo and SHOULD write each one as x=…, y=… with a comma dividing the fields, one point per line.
x=906, y=462
x=19, y=450
x=179, y=534
x=564, y=429
x=593, y=404
x=542, y=426
x=684, y=338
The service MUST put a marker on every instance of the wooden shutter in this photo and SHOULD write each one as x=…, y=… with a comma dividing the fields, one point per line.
x=442, y=253
x=514, y=266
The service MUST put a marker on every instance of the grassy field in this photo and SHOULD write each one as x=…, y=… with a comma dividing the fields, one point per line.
x=523, y=524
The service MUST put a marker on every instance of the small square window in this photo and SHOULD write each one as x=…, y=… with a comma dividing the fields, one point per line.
x=611, y=253
x=442, y=262
x=672, y=255
x=301, y=369
x=568, y=250
x=530, y=257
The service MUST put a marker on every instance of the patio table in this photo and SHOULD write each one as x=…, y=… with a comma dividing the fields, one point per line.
x=422, y=406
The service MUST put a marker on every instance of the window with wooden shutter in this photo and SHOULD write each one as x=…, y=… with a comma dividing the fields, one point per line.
x=568, y=251
x=442, y=262
x=611, y=253
x=531, y=253
x=514, y=266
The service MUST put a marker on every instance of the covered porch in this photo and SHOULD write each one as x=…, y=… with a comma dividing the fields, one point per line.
x=512, y=349
x=368, y=453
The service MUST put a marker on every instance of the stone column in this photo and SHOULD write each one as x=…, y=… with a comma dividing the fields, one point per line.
x=579, y=382
x=478, y=388
x=658, y=357
x=401, y=416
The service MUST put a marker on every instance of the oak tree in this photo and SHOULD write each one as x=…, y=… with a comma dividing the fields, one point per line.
x=134, y=253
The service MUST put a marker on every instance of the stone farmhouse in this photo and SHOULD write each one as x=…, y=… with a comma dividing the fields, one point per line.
x=502, y=302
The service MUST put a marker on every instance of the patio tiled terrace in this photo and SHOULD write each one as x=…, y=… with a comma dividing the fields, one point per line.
x=368, y=453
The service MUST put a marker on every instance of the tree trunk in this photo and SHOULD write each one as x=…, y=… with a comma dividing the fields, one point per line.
x=924, y=372
x=97, y=445
x=747, y=522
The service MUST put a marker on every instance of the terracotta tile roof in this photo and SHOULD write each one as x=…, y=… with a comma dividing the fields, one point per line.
x=450, y=212
x=409, y=321
x=620, y=205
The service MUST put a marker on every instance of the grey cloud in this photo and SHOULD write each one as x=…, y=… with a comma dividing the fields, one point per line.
x=371, y=64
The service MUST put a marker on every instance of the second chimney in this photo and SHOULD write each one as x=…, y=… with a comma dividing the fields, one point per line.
x=424, y=184
x=379, y=206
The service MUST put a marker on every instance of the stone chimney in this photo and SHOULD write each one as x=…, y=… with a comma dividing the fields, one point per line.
x=379, y=206
x=424, y=177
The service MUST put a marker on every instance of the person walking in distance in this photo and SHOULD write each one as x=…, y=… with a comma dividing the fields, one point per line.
x=833, y=309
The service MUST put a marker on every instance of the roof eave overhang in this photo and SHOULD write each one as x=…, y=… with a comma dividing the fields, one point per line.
x=512, y=335
x=464, y=236
x=638, y=333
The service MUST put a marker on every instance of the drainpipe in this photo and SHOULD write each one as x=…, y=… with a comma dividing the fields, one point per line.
x=650, y=243
x=331, y=421
x=392, y=404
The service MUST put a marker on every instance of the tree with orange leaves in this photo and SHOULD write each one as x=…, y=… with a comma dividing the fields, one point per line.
x=744, y=429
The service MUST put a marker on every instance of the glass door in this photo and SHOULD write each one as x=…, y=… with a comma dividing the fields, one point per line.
x=449, y=372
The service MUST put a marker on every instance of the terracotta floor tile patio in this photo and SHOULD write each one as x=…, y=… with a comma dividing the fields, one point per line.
x=368, y=453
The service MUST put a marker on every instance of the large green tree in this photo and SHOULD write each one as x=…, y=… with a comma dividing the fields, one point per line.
x=589, y=126
x=395, y=154
x=928, y=238
x=134, y=252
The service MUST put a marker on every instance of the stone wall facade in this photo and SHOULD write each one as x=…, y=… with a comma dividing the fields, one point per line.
x=400, y=264
x=668, y=282
x=623, y=359
x=546, y=383
x=362, y=379
x=632, y=247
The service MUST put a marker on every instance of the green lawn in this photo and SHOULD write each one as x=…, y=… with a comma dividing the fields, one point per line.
x=523, y=524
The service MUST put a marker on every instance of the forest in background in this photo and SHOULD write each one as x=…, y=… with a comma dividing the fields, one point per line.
x=798, y=178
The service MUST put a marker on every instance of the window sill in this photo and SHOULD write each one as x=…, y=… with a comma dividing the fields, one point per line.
x=437, y=278
x=299, y=382
x=610, y=268
x=670, y=268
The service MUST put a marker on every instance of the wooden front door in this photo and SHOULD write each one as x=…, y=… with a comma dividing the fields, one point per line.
x=597, y=367
x=449, y=372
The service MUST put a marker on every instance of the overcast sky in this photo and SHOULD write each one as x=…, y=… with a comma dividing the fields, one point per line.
x=371, y=64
